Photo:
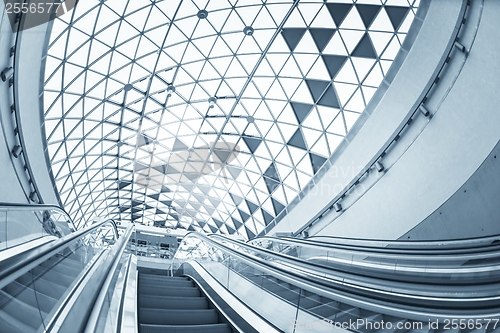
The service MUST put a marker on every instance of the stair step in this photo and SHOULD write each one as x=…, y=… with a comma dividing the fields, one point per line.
x=178, y=317
x=212, y=328
x=21, y=311
x=155, y=271
x=169, y=291
x=72, y=259
x=49, y=274
x=49, y=288
x=12, y=325
x=166, y=302
x=164, y=280
x=27, y=295
x=64, y=266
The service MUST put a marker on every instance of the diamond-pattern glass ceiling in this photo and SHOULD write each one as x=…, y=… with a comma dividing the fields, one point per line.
x=207, y=115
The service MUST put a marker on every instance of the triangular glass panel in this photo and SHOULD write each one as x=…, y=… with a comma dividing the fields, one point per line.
x=155, y=196
x=122, y=184
x=250, y=234
x=244, y=216
x=368, y=13
x=297, y=140
x=316, y=161
x=317, y=88
x=252, y=143
x=323, y=19
x=321, y=37
x=292, y=36
x=159, y=211
x=301, y=110
x=278, y=206
x=179, y=146
x=338, y=11
x=236, y=199
x=236, y=223
x=272, y=173
x=219, y=223
x=329, y=99
x=251, y=206
x=233, y=171
x=268, y=218
x=396, y=15
x=365, y=48
x=271, y=184
x=333, y=63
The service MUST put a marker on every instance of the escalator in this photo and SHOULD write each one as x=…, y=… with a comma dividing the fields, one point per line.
x=175, y=304
x=87, y=281
x=51, y=273
x=32, y=296
x=413, y=287
x=54, y=278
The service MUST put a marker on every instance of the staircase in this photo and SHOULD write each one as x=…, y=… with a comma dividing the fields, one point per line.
x=174, y=304
x=27, y=301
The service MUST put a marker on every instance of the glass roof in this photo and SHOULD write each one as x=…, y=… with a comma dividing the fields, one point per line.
x=208, y=115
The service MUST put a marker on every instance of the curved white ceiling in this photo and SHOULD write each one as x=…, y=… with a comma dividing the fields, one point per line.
x=207, y=115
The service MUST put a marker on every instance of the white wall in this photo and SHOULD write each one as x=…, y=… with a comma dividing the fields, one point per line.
x=14, y=179
x=14, y=185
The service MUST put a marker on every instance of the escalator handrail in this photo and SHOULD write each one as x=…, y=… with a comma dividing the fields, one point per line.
x=17, y=265
x=286, y=257
x=106, y=282
x=356, y=243
x=370, y=250
x=32, y=207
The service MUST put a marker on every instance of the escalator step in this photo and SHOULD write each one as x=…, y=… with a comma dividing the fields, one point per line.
x=48, y=288
x=27, y=295
x=69, y=261
x=12, y=325
x=166, y=302
x=154, y=271
x=21, y=311
x=178, y=317
x=169, y=291
x=212, y=328
x=164, y=280
x=51, y=275
x=62, y=267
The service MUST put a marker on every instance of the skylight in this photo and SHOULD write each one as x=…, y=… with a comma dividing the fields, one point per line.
x=208, y=115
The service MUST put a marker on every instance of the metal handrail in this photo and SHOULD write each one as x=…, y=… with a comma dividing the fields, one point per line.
x=30, y=207
x=106, y=282
x=15, y=266
x=464, y=246
x=398, y=266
